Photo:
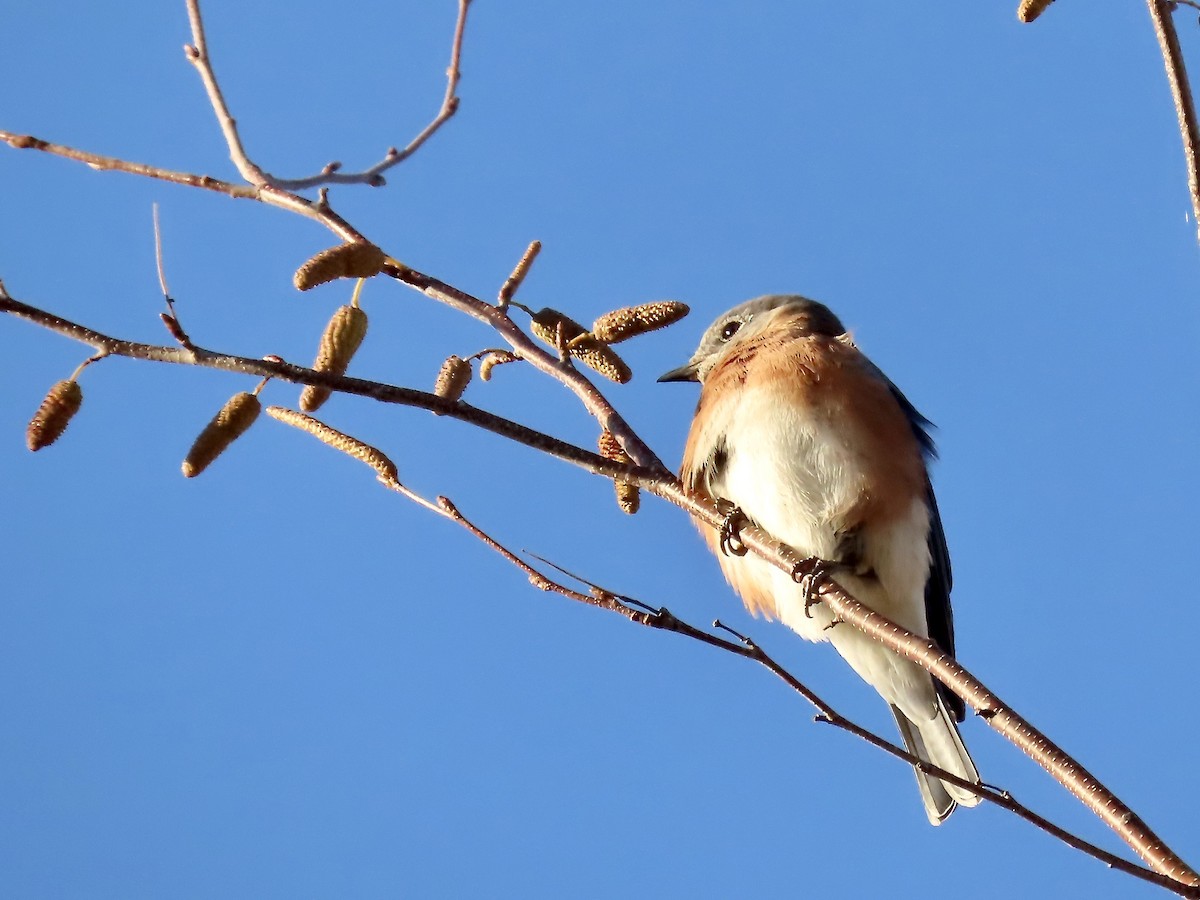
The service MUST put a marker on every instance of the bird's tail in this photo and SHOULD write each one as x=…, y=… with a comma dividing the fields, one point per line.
x=937, y=741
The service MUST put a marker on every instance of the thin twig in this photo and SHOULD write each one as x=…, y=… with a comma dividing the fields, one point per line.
x=636, y=611
x=158, y=255
x=450, y=101
x=1062, y=767
x=274, y=367
x=197, y=54
x=651, y=476
x=374, y=175
x=170, y=319
x=1181, y=93
x=266, y=194
x=589, y=395
x=1117, y=815
x=103, y=163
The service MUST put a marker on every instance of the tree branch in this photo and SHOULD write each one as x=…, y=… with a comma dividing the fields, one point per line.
x=1068, y=772
x=650, y=474
x=925, y=653
x=662, y=619
x=272, y=367
x=197, y=55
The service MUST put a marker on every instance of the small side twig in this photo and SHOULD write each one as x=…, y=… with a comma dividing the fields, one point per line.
x=1181, y=93
x=112, y=163
x=331, y=173
x=272, y=196
x=1085, y=786
x=170, y=319
x=662, y=619
x=197, y=55
x=274, y=367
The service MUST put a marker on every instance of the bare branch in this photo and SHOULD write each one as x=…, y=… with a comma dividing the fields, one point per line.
x=274, y=367
x=197, y=54
x=650, y=474
x=662, y=619
x=110, y=163
x=1069, y=773
x=1181, y=93
x=374, y=175
x=317, y=211
x=591, y=398
x=924, y=652
x=158, y=256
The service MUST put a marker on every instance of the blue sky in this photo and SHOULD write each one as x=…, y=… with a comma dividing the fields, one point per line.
x=279, y=680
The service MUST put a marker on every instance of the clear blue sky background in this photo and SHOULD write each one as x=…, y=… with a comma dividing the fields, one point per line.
x=279, y=680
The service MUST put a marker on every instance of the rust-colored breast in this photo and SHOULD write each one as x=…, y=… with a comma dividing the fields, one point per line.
x=830, y=380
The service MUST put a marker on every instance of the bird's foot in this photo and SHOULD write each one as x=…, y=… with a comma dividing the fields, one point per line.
x=810, y=574
x=728, y=537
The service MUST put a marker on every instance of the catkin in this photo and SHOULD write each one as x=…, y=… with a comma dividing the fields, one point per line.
x=453, y=378
x=581, y=344
x=359, y=259
x=237, y=415
x=50, y=421
x=595, y=354
x=630, y=321
x=376, y=459
x=493, y=359
x=342, y=337
x=629, y=498
x=1031, y=9
x=545, y=324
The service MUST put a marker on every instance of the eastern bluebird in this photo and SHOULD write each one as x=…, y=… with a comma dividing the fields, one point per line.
x=813, y=443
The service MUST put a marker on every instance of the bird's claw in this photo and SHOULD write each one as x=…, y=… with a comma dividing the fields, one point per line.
x=728, y=537
x=810, y=574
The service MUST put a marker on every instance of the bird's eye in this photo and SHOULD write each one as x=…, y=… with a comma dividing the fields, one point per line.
x=730, y=329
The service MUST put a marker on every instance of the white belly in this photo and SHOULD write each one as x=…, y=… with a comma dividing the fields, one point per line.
x=798, y=476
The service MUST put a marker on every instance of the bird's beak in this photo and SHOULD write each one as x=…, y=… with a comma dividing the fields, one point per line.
x=683, y=373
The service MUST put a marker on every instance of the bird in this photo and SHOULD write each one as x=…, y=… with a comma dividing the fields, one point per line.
x=807, y=439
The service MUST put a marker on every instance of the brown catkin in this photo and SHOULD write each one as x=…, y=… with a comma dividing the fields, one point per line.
x=237, y=415
x=359, y=259
x=51, y=418
x=610, y=447
x=1031, y=9
x=630, y=321
x=453, y=378
x=376, y=459
x=629, y=498
x=342, y=338
x=595, y=354
x=493, y=359
x=581, y=343
x=545, y=322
